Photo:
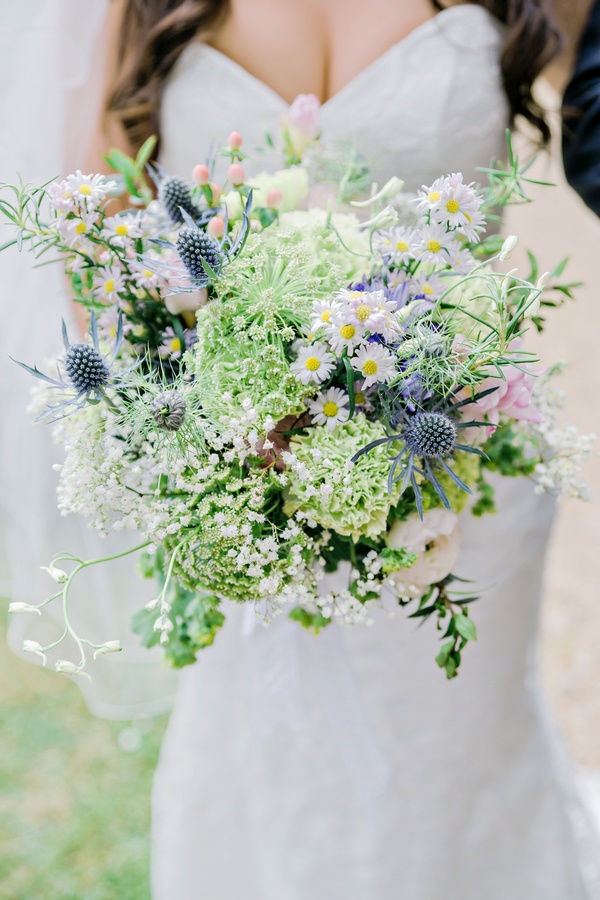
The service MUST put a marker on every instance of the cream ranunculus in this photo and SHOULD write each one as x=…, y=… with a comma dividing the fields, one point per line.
x=435, y=540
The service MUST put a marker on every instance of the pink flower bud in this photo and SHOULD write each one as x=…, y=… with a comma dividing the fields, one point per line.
x=201, y=174
x=216, y=227
x=235, y=174
x=216, y=190
x=274, y=198
x=304, y=114
x=234, y=141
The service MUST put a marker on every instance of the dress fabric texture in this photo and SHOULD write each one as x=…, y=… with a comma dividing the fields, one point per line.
x=477, y=802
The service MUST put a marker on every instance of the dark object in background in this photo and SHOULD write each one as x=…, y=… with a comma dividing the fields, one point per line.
x=581, y=117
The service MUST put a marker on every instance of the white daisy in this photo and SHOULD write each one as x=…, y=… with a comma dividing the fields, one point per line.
x=475, y=224
x=434, y=243
x=322, y=312
x=74, y=229
x=397, y=244
x=88, y=190
x=121, y=230
x=429, y=197
x=370, y=310
x=330, y=408
x=428, y=285
x=108, y=283
x=456, y=204
x=461, y=260
x=375, y=363
x=314, y=364
x=342, y=334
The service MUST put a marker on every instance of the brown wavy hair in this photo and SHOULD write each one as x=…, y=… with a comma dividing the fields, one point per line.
x=155, y=32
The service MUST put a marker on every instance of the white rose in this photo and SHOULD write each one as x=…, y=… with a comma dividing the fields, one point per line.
x=292, y=182
x=435, y=540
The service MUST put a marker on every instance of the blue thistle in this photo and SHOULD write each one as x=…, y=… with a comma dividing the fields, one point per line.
x=87, y=370
x=198, y=251
x=431, y=435
x=428, y=438
x=175, y=195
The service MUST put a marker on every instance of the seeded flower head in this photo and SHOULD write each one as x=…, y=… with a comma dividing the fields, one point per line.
x=168, y=410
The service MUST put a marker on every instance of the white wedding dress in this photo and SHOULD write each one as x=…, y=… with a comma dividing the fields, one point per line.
x=476, y=801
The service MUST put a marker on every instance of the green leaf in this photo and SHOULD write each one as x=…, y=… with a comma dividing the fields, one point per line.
x=465, y=627
x=145, y=152
x=313, y=622
x=442, y=657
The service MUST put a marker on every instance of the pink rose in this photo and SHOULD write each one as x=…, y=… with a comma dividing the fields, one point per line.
x=304, y=115
x=513, y=397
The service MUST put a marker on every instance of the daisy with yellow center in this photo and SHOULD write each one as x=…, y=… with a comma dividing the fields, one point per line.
x=376, y=364
x=108, y=283
x=314, y=364
x=330, y=408
x=345, y=334
x=120, y=230
x=87, y=191
x=458, y=203
x=434, y=243
x=322, y=312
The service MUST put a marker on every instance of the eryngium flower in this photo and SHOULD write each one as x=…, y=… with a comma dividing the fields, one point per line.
x=168, y=410
x=174, y=194
x=194, y=248
x=431, y=435
x=86, y=367
x=88, y=372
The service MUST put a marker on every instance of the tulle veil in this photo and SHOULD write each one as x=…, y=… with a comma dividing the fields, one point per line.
x=50, y=60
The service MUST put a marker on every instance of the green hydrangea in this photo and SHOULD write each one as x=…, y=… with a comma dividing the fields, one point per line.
x=350, y=499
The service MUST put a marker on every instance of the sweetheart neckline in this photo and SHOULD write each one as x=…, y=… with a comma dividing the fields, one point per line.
x=417, y=33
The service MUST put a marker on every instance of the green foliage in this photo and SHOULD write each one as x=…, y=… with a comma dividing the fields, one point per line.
x=396, y=558
x=485, y=499
x=132, y=171
x=509, y=453
x=313, y=622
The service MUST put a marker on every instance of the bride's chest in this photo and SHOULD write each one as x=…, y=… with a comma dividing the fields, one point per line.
x=433, y=103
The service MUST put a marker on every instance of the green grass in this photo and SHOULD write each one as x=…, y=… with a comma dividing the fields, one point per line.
x=74, y=808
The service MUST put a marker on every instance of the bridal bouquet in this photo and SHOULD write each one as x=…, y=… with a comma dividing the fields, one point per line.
x=271, y=390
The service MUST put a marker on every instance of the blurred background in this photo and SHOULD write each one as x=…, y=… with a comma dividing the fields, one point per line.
x=75, y=790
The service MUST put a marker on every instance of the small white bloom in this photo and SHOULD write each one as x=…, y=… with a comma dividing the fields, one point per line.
x=375, y=364
x=108, y=647
x=314, y=364
x=508, y=246
x=65, y=667
x=57, y=575
x=23, y=608
x=330, y=408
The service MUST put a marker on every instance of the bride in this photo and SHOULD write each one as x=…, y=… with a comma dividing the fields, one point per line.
x=469, y=797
